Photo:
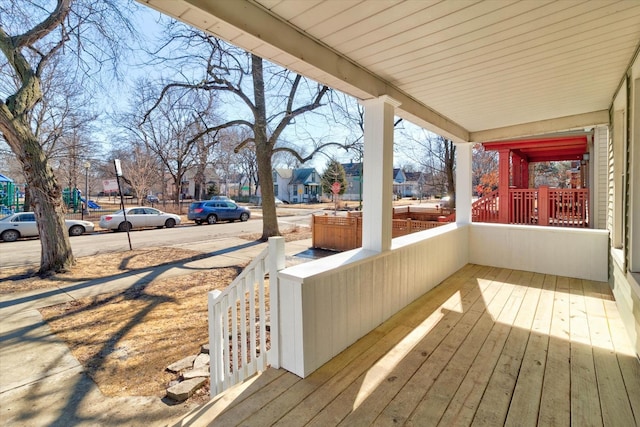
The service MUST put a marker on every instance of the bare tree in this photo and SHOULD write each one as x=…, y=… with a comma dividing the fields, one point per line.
x=171, y=126
x=273, y=100
x=248, y=163
x=436, y=156
x=141, y=167
x=32, y=38
x=225, y=159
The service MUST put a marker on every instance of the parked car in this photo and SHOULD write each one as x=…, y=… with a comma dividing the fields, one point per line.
x=212, y=211
x=222, y=199
x=152, y=199
x=138, y=217
x=445, y=202
x=23, y=224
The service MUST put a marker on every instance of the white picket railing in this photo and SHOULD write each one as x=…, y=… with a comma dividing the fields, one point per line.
x=239, y=343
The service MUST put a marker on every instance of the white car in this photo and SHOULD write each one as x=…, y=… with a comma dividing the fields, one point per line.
x=23, y=224
x=138, y=217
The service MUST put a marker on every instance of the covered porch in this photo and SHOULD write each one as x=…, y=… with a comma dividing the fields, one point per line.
x=488, y=346
x=471, y=72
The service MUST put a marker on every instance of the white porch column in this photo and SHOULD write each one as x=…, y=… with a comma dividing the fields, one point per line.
x=377, y=190
x=463, y=182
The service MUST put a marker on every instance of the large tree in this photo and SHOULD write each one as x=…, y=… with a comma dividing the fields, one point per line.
x=436, y=157
x=333, y=174
x=33, y=38
x=484, y=177
x=27, y=64
x=273, y=99
x=171, y=126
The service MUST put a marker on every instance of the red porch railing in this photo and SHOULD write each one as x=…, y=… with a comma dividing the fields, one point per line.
x=542, y=206
x=568, y=208
x=485, y=209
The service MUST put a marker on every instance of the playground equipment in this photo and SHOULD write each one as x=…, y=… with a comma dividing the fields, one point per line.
x=90, y=204
x=71, y=198
x=9, y=195
x=11, y=198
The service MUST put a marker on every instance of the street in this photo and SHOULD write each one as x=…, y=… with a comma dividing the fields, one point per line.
x=25, y=252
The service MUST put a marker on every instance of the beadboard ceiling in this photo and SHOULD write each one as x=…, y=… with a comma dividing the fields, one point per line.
x=470, y=70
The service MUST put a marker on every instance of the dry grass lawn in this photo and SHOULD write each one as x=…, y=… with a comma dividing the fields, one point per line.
x=126, y=339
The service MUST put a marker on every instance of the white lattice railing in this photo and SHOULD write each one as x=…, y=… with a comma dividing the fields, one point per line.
x=243, y=321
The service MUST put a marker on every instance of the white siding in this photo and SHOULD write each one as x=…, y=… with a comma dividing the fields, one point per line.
x=600, y=187
x=580, y=253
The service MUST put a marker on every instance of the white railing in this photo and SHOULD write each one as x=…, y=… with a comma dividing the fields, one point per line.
x=240, y=342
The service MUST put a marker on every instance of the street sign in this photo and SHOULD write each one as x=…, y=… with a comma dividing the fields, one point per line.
x=109, y=185
x=335, y=187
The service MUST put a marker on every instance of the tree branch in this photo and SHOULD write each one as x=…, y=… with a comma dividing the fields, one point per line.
x=315, y=151
x=218, y=128
x=38, y=32
x=298, y=111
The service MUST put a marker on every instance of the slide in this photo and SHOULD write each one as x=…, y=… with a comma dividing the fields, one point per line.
x=91, y=204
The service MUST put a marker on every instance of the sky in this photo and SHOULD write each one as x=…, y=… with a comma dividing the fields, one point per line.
x=153, y=24
x=116, y=98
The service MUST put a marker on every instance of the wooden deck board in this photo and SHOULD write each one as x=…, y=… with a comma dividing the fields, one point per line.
x=361, y=403
x=525, y=403
x=555, y=407
x=615, y=411
x=585, y=400
x=402, y=405
x=413, y=391
x=464, y=403
x=497, y=397
x=489, y=346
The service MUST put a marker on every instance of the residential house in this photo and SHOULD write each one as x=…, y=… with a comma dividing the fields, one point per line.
x=415, y=185
x=353, y=174
x=281, y=180
x=472, y=322
x=399, y=182
x=304, y=186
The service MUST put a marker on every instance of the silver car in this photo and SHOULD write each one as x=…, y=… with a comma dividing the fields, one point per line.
x=138, y=217
x=23, y=224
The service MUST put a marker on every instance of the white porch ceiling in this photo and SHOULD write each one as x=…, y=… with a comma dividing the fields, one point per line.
x=467, y=69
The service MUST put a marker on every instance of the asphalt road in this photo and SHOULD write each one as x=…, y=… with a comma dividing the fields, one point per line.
x=25, y=252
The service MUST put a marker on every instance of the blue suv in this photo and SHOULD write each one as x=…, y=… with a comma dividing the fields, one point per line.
x=212, y=211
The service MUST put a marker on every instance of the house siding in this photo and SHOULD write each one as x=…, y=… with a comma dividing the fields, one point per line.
x=623, y=210
x=600, y=186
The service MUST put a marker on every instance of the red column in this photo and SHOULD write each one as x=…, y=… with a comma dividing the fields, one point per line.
x=503, y=185
x=543, y=205
x=516, y=165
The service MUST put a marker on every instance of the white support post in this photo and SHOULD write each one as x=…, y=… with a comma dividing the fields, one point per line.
x=634, y=182
x=377, y=190
x=276, y=263
x=463, y=182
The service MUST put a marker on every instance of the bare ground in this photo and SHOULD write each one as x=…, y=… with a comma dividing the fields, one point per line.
x=125, y=340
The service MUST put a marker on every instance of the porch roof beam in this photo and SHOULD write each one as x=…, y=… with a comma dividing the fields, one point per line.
x=541, y=143
x=550, y=158
x=578, y=121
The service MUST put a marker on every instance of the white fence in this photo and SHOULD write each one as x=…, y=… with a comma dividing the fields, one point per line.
x=243, y=321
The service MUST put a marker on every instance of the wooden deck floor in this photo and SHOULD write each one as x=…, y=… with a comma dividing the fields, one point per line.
x=488, y=346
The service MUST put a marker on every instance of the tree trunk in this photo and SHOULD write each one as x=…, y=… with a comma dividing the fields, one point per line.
x=264, y=150
x=46, y=200
x=269, y=216
x=450, y=158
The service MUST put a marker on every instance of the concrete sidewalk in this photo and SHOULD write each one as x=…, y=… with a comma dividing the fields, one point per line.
x=41, y=383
